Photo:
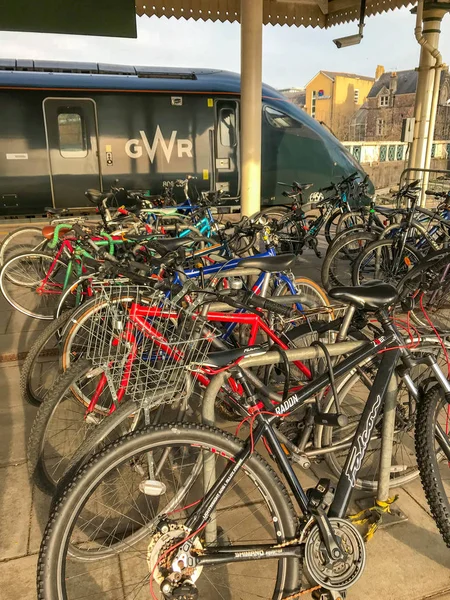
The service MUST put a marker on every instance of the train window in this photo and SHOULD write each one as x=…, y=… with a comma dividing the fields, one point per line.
x=280, y=120
x=72, y=135
x=227, y=126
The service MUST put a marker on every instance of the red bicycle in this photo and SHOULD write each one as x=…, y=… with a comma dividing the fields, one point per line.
x=143, y=351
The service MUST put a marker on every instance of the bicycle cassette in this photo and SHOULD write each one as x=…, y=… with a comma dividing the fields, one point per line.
x=337, y=574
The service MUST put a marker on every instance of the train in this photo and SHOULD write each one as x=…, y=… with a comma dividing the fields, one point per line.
x=66, y=127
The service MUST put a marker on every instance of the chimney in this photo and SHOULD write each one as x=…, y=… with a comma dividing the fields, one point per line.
x=393, y=83
x=379, y=72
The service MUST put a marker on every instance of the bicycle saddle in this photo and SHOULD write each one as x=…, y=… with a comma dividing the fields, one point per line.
x=368, y=297
x=49, y=230
x=222, y=359
x=95, y=196
x=270, y=264
x=302, y=186
x=54, y=211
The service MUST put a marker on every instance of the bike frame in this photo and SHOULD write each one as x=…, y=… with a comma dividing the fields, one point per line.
x=264, y=429
x=140, y=316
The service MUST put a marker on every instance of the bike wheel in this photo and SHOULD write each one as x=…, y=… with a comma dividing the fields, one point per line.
x=383, y=260
x=255, y=508
x=350, y=220
x=42, y=364
x=433, y=417
x=428, y=283
x=24, y=239
x=62, y=424
x=353, y=393
x=314, y=295
x=331, y=226
x=341, y=256
x=33, y=282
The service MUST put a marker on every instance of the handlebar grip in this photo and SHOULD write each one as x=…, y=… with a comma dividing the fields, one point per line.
x=265, y=303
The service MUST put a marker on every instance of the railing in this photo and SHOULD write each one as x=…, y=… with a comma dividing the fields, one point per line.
x=390, y=151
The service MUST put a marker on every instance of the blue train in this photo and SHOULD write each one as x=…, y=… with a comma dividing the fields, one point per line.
x=66, y=127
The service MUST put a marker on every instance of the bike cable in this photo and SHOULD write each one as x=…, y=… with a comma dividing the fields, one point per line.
x=330, y=372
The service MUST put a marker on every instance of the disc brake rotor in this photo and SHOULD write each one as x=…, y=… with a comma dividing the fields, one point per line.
x=159, y=563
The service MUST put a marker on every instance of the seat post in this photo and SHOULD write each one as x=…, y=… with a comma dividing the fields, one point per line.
x=343, y=331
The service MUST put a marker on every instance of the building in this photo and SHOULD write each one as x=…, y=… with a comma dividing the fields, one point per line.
x=334, y=98
x=295, y=95
x=390, y=101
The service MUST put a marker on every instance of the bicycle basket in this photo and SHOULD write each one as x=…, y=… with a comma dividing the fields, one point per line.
x=147, y=345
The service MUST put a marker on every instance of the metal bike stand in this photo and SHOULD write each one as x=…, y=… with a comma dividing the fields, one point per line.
x=395, y=515
x=209, y=398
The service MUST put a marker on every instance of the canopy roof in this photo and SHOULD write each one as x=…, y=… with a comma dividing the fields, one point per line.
x=312, y=13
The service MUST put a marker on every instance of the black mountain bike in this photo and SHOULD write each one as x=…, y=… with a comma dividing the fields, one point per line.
x=189, y=511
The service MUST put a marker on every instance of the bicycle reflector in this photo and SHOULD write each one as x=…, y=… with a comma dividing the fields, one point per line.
x=407, y=261
x=150, y=487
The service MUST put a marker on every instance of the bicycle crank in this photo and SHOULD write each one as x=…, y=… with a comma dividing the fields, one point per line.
x=337, y=574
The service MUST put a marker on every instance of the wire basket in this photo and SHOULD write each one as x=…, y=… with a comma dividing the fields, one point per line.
x=147, y=345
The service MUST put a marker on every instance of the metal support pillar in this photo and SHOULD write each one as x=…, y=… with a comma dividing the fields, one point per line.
x=387, y=440
x=394, y=515
x=251, y=104
x=428, y=83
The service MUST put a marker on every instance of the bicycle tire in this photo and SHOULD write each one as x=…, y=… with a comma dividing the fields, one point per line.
x=38, y=469
x=30, y=391
x=359, y=220
x=386, y=277
x=16, y=294
x=333, y=275
x=315, y=295
x=10, y=245
x=429, y=465
x=54, y=558
x=403, y=467
x=330, y=222
x=415, y=284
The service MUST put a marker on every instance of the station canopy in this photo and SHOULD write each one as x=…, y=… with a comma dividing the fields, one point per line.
x=309, y=13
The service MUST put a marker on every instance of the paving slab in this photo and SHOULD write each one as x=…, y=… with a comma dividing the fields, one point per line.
x=16, y=416
x=18, y=323
x=407, y=561
x=18, y=578
x=5, y=316
x=15, y=506
x=40, y=509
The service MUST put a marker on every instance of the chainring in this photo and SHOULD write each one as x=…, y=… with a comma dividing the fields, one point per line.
x=337, y=574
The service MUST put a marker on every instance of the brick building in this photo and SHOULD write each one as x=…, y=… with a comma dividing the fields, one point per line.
x=390, y=100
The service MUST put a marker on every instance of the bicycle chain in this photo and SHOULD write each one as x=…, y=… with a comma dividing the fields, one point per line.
x=302, y=593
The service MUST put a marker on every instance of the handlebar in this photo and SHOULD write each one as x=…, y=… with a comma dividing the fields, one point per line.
x=259, y=302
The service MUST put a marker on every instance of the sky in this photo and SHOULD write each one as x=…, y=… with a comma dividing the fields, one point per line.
x=292, y=56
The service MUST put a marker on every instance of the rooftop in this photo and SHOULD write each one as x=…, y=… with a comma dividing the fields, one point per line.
x=406, y=82
x=333, y=74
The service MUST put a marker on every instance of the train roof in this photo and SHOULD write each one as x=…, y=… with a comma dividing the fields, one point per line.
x=37, y=74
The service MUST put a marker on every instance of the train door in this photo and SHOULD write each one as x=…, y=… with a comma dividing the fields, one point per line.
x=72, y=145
x=227, y=148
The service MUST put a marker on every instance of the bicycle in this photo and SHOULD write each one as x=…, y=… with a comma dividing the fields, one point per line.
x=53, y=418
x=390, y=259
x=191, y=535
x=297, y=230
